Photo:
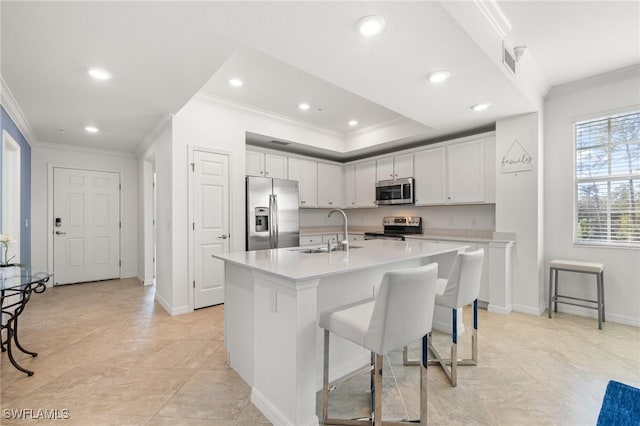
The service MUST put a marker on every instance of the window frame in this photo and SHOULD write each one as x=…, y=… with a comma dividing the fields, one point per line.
x=608, y=179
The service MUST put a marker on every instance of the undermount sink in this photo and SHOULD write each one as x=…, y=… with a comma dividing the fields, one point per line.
x=315, y=250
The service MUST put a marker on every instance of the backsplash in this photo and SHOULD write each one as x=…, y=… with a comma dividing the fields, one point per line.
x=472, y=217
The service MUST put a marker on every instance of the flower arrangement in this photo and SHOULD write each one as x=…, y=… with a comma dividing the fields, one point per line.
x=5, y=240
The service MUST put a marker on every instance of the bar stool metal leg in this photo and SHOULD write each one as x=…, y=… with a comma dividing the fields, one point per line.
x=550, y=291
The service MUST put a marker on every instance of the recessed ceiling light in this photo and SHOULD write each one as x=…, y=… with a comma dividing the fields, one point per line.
x=304, y=106
x=91, y=129
x=480, y=107
x=371, y=25
x=100, y=74
x=439, y=76
x=353, y=123
x=235, y=82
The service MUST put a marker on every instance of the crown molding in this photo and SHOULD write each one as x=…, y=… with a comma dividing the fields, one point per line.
x=630, y=72
x=268, y=114
x=10, y=105
x=67, y=147
x=164, y=123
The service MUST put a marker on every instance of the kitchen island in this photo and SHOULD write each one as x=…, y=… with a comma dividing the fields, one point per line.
x=272, y=300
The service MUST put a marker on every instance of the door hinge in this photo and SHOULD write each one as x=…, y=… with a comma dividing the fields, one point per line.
x=194, y=283
x=120, y=225
x=194, y=226
x=154, y=260
x=120, y=263
x=193, y=167
x=120, y=186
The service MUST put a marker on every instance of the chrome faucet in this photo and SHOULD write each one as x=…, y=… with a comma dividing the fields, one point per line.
x=344, y=244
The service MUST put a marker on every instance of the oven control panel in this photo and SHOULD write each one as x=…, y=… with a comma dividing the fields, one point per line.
x=402, y=221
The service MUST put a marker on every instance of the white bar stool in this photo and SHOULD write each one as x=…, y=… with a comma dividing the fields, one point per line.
x=461, y=288
x=401, y=313
x=576, y=266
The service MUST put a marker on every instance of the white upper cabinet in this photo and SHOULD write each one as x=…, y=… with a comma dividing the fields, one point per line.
x=430, y=177
x=465, y=172
x=456, y=173
x=330, y=186
x=396, y=167
x=384, y=168
x=365, y=184
x=490, y=170
x=266, y=165
x=306, y=173
x=403, y=166
x=350, y=186
x=275, y=166
x=254, y=163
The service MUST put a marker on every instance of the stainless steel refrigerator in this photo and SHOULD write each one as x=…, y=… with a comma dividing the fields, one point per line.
x=272, y=213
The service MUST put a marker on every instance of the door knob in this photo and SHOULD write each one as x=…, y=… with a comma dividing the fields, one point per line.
x=223, y=236
x=60, y=233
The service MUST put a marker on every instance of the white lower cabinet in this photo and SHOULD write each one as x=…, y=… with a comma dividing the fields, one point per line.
x=308, y=240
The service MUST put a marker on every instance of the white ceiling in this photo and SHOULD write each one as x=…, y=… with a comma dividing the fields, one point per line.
x=162, y=53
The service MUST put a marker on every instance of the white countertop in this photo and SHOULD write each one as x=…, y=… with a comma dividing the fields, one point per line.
x=291, y=264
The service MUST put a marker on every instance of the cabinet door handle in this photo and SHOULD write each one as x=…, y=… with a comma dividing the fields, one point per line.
x=330, y=203
x=60, y=233
x=302, y=202
x=223, y=236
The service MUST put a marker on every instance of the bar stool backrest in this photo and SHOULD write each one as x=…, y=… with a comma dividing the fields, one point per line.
x=403, y=310
x=463, y=284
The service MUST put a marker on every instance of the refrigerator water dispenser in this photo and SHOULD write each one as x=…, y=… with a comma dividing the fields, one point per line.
x=262, y=219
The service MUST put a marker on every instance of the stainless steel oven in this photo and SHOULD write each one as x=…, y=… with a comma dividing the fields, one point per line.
x=396, y=227
x=397, y=191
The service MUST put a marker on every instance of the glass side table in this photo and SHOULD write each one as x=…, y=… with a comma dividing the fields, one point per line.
x=17, y=283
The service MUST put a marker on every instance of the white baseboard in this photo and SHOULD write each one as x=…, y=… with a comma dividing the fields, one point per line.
x=530, y=310
x=272, y=413
x=592, y=313
x=144, y=282
x=125, y=275
x=171, y=310
x=502, y=310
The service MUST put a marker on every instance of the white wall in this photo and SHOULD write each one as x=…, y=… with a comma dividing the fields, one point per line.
x=161, y=153
x=43, y=157
x=518, y=209
x=590, y=98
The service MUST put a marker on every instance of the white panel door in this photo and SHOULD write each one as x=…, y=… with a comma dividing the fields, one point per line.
x=210, y=225
x=86, y=215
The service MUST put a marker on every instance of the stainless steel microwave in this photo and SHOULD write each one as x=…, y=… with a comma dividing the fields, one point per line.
x=397, y=191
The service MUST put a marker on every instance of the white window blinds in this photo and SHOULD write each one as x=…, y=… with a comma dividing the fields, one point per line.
x=607, y=198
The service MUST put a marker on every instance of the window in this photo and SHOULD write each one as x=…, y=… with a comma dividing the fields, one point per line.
x=607, y=198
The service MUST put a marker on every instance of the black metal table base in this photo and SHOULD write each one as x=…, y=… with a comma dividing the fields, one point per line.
x=11, y=310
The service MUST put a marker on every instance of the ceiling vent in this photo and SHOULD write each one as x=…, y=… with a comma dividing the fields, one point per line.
x=508, y=59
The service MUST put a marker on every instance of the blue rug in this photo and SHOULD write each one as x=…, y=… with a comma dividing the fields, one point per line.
x=620, y=406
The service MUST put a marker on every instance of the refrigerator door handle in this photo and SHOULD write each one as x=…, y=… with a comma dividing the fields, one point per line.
x=276, y=222
x=271, y=222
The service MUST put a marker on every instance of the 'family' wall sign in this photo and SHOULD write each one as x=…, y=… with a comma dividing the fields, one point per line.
x=517, y=159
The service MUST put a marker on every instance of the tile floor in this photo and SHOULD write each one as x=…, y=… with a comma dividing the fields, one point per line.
x=111, y=356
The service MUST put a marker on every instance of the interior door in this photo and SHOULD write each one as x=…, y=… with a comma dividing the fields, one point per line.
x=86, y=216
x=210, y=225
